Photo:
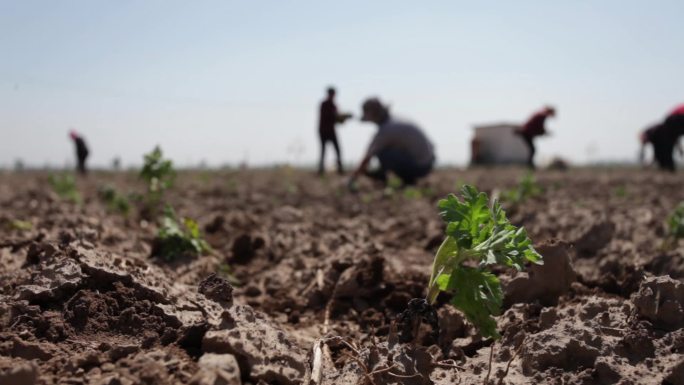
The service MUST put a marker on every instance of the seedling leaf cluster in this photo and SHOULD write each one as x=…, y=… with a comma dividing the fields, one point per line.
x=176, y=240
x=675, y=228
x=527, y=188
x=115, y=201
x=159, y=175
x=676, y=222
x=477, y=237
x=65, y=186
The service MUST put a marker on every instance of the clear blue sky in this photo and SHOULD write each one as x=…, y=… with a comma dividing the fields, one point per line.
x=224, y=81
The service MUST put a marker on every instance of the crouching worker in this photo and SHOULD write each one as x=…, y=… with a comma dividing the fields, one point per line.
x=665, y=138
x=400, y=147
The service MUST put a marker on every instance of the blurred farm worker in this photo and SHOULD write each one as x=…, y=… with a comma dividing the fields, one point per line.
x=400, y=147
x=535, y=126
x=664, y=138
x=329, y=117
x=81, y=151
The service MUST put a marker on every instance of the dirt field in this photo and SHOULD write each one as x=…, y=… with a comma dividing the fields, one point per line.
x=320, y=270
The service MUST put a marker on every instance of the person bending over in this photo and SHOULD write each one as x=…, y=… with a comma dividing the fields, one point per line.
x=400, y=147
x=534, y=127
x=664, y=138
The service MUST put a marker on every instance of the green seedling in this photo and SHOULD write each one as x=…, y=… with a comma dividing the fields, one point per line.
x=526, y=188
x=205, y=177
x=226, y=272
x=477, y=238
x=176, y=240
x=394, y=183
x=231, y=185
x=412, y=192
x=620, y=192
x=17, y=224
x=159, y=175
x=65, y=186
x=291, y=188
x=676, y=222
x=675, y=228
x=115, y=202
x=366, y=198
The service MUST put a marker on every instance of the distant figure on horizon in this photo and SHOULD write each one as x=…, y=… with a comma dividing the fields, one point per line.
x=81, y=151
x=329, y=117
x=535, y=126
x=665, y=137
x=400, y=147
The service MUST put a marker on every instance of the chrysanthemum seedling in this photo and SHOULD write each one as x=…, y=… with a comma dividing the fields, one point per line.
x=15, y=224
x=175, y=241
x=477, y=237
x=65, y=186
x=159, y=175
x=526, y=188
x=675, y=228
x=115, y=202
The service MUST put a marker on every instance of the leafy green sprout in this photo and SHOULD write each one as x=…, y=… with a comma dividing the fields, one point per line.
x=17, y=224
x=477, y=238
x=175, y=240
x=412, y=192
x=65, y=186
x=620, y=192
x=676, y=222
x=115, y=202
x=394, y=182
x=526, y=188
x=395, y=185
x=367, y=198
x=159, y=175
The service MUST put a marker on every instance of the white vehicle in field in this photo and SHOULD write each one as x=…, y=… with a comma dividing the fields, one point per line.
x=497, y=144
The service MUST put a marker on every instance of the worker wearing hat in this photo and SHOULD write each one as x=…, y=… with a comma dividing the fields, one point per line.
x=400, y=147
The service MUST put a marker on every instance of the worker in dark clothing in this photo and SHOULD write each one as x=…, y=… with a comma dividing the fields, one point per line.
x=534, y=127
x=81, y=151
x=329, y=117
x=664, y=138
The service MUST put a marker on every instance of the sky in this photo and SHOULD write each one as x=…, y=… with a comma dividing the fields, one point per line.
x=224, y=82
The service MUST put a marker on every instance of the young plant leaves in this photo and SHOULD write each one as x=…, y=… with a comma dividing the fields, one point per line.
x=173, y=241
x=482, y=236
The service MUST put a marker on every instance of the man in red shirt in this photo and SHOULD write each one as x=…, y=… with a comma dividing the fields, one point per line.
x=534, y=127
x=664, y=137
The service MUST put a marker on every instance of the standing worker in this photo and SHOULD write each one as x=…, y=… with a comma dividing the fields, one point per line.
x=400, y=147
x=81, y=151
x=664, y=138
x=534, y=127
x=326, y=129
